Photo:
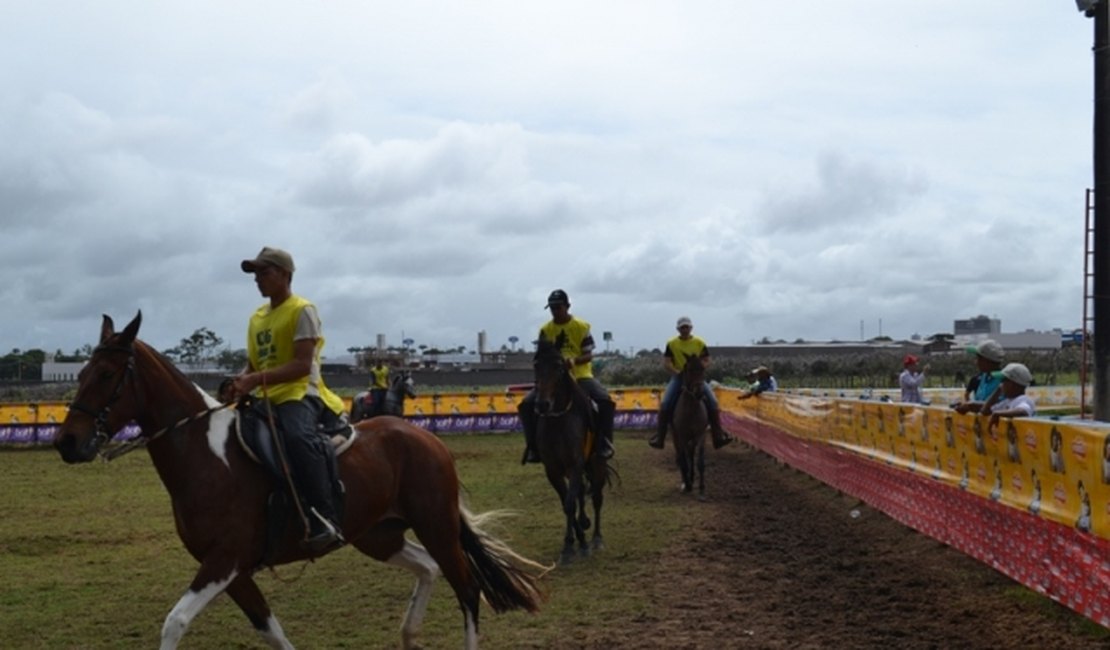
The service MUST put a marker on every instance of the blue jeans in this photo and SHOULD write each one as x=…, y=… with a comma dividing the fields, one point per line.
x=670, y=395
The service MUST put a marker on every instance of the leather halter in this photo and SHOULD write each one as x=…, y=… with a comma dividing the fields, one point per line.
x=570, y=399
x=100, y=417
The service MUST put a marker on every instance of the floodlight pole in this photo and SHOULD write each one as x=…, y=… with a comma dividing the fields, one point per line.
x=1101, y=246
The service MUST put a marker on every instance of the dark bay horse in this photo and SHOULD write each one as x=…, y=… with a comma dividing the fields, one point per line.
x=397, y=477
x=689, y=424
x=570, y=456
x=400, y=387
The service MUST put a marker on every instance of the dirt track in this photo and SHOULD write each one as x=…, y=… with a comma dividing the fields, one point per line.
x=781, y=563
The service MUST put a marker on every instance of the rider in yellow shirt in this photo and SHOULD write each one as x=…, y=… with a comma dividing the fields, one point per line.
x=379, y=386
x=679, y=349
x=578, y=350
x=283, y=348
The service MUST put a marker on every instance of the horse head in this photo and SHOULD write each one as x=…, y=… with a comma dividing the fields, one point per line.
x=406, y=384
x=693, y=376
x=105, y=401
x=550, y=372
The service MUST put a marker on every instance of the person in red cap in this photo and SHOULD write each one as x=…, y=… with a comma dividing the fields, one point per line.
x=911, y=380
x=578, y=350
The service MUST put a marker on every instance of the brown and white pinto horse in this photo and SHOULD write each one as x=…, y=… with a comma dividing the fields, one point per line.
x=397, y=476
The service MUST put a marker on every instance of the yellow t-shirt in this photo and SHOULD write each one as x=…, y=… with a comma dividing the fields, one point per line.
x=578, y=341
x=270, y=338
x=679, y=350
x=380, y=376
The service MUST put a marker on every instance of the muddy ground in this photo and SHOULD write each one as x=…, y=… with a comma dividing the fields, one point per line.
x=780, y=563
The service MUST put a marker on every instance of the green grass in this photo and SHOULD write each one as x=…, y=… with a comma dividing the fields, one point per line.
x=91, y=560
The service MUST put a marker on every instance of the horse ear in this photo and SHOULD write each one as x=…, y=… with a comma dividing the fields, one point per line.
x=132, y=328
x=107, y=328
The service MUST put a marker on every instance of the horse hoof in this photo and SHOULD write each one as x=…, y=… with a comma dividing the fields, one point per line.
x=701, y=497
x=566, y=557
x=598, y=544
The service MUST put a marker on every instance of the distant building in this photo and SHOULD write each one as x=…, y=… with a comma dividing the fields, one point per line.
x=979, y=325
x=60, y=370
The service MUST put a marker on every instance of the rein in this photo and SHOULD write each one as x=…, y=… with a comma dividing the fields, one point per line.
x=142, y=441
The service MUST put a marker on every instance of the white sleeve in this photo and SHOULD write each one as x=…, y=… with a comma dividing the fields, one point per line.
x=308, y=324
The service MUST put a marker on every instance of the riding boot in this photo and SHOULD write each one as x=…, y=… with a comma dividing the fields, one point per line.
x=606, y=414
x=528, y=422
x=660, y=437
x=315, y=486
x=720, y=436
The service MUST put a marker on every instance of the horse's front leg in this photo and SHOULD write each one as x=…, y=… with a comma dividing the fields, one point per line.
x=212, y=579
x=566, y=500
x=701, y=468
x=576, y=498
x=684, y=462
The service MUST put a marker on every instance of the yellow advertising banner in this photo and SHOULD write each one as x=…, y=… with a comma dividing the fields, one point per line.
x=1055, y=468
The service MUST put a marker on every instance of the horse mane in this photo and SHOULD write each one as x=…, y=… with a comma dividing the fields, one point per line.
x=161, y=364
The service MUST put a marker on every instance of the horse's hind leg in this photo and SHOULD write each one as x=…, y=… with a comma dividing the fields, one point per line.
x=390, y=546
x=247, y=596
x=597, y=485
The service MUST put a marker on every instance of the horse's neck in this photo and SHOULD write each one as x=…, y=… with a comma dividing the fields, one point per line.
x=165, y=397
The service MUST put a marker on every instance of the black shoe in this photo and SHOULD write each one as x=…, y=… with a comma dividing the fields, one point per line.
x=657, y=440
x=606, y=450
x=725, y=439
x=530, y=456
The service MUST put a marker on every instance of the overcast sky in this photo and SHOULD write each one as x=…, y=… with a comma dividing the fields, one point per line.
x=775, y=169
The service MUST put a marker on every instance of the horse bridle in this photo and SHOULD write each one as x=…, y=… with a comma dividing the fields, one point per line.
x=555, y=414
x=100, y=417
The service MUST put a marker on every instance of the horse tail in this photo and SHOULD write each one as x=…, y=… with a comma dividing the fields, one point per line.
x=499, y=570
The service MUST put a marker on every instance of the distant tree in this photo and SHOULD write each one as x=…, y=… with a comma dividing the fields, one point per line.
x=232, y=360
x=198, y=348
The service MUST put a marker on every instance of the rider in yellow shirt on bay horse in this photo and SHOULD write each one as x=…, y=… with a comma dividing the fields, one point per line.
x=679, y=349
x=578, y=350
x=379, y=386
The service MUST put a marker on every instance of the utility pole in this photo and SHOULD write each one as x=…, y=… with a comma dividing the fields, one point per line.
x=1100, y=12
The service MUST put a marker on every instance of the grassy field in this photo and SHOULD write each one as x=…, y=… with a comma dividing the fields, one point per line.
x=91, y=560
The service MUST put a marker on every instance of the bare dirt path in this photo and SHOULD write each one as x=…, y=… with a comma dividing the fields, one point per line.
x=780, y=563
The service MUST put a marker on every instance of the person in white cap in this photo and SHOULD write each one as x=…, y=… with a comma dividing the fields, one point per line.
x=988, y=359
x=678, y=350
x=284, y=340
x=1010, y=400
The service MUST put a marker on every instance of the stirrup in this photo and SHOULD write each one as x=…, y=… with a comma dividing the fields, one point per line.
x=658, y=441
x=530, y=456
x=725, y=439
x=325, y=539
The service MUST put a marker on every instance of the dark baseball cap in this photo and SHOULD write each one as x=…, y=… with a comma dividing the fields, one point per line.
x=557, y=296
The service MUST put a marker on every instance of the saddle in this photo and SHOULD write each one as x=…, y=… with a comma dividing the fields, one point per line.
x=252, y=429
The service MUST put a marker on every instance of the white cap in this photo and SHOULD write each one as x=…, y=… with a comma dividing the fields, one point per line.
x=684, y=320
x=1018, y=374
